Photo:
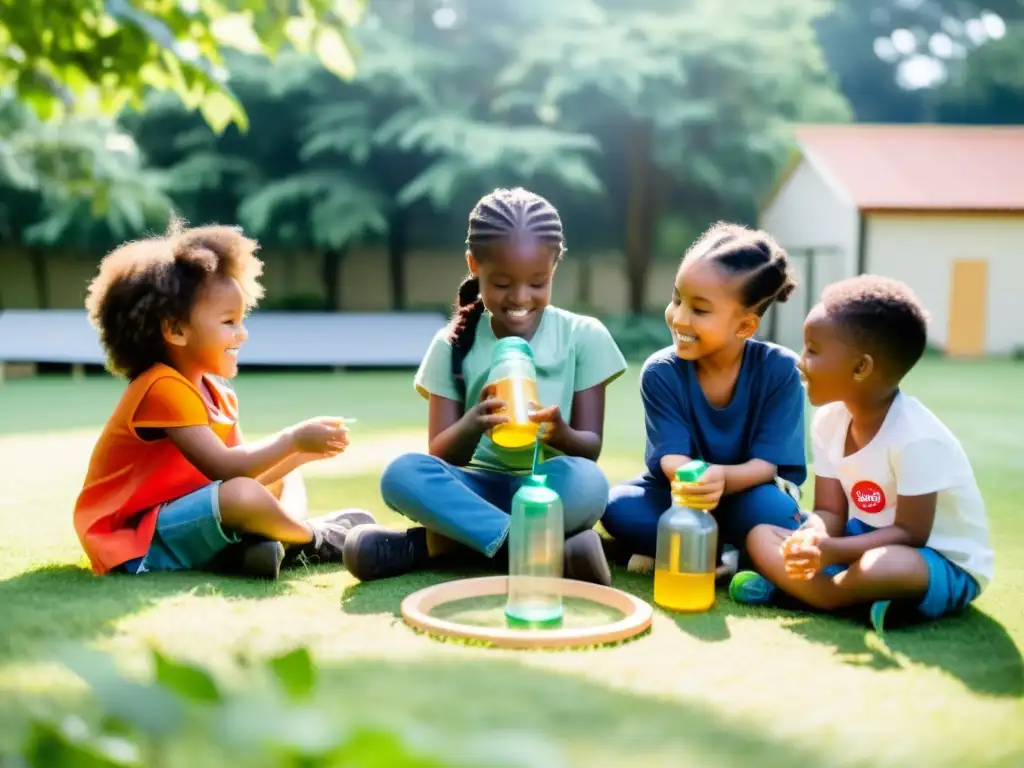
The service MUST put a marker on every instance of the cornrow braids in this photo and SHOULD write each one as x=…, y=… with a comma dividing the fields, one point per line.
x=501, y=215
x=755, y=255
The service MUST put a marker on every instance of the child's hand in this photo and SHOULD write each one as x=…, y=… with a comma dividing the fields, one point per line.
x=801, y=553
x=323, y=436
x=483, y=416
x=550, y=420
x=706, y=492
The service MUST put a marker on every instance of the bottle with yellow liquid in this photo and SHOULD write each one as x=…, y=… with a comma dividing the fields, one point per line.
x=513, y=379
x=684, y=564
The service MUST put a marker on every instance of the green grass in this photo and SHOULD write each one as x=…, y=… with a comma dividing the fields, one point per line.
x=733, y=686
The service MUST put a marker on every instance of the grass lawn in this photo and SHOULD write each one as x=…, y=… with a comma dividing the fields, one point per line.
x=736, y=685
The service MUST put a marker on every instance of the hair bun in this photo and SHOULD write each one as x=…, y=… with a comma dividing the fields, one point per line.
x=786, y=290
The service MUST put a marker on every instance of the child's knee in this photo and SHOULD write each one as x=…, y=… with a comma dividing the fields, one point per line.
x=583, y=488
x=241, y=494
x=764, y=539
x=401, y=476
x=897, y=565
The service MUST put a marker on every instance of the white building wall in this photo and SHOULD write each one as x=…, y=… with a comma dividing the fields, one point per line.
x=810, y=212
x=921, y=249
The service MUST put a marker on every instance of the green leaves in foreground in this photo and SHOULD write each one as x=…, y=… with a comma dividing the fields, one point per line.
x=185, y=717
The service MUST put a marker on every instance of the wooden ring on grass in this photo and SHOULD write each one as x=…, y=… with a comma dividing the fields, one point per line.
x=417, y=607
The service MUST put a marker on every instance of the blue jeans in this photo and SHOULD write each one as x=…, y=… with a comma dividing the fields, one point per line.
x=188, y=534
x=472, y=506
x=635, y=508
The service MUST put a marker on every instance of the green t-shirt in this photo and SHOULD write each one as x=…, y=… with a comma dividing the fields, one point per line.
x=571, y=353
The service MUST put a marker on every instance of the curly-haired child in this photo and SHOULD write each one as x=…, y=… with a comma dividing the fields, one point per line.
x=171, y=485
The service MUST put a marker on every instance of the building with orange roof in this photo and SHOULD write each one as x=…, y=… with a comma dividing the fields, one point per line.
x=940, y=207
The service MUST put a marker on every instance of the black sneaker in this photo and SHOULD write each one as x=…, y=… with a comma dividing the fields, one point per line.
x=253, y=556
x=375, y=552
x=585, y=559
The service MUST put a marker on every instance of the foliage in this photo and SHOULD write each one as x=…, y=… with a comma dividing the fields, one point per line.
x=184, y=716
x=80, y=180
x=64, y=54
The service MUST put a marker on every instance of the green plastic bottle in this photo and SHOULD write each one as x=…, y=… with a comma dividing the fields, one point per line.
x=536, y=543
x=513, y=379
x=684, y=564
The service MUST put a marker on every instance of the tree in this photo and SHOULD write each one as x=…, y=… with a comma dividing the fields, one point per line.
x=70, y=55
x=926, y=61
x=79, y=182
x=690, y=105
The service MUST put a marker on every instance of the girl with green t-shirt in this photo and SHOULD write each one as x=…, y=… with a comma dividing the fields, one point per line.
x=462, y=490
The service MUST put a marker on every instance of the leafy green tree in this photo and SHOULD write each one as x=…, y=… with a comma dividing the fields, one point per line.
x=63, y=55
x=80, y=182
x=690, y=104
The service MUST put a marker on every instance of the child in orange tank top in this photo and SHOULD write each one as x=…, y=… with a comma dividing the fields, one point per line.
x=171, y=484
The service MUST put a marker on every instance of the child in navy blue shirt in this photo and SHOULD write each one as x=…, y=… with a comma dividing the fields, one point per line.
x=719, y=395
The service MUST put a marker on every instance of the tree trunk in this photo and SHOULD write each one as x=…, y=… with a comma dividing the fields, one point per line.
x=641, y=213
x=39, y=277
x=330, y=273
x=398, y=244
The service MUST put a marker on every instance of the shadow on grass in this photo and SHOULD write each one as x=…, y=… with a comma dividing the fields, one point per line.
x=384, y=596
x=57, y=603
x=590, y=723
x=972, y=647
x=709, y=626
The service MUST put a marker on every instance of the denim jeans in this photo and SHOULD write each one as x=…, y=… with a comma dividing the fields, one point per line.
x=472, y=506
x=635, y=508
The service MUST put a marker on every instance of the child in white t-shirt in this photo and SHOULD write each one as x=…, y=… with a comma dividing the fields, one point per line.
x=898, y=515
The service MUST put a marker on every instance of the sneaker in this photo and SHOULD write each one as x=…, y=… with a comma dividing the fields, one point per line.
x=350, y=518
x=878, y=610
x=329, y=534
x=751, y=588
x=375, y=552
x=585, y=559
x=253, y=556
x=326, y=546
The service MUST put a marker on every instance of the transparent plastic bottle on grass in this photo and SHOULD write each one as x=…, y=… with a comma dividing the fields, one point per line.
x=514, y=380
x=535, y=552
x=684, y=564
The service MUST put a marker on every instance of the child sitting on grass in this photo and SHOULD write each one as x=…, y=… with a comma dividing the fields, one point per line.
x=171, y=485
x=898, y=515
x=720, y=395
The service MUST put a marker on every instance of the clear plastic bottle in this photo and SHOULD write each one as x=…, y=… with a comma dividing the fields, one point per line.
x=687, y=551
x=514, y=380
x=536, y=542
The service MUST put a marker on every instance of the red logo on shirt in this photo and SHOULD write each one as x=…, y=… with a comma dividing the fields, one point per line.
x=868, y=497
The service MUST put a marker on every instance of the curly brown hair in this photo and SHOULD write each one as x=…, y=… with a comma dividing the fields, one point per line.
x=144, y=283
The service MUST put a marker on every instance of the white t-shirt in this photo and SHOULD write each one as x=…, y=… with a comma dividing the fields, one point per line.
x=912, y=454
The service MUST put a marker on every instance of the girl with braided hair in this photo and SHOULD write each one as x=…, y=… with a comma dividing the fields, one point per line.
x=461, y=491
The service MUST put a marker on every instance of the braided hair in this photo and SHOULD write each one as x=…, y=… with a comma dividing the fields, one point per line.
x=752, y=254
x=501, y=215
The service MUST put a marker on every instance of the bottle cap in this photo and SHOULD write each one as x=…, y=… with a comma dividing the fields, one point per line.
x=535, y=496
x=511, y=345
x=690, y=473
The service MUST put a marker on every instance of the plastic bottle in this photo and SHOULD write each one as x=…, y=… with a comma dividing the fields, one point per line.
x=514, y=380
x=684, y=565
x=536, y=542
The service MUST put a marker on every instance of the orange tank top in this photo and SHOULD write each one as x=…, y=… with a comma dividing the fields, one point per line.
x=130, y=477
